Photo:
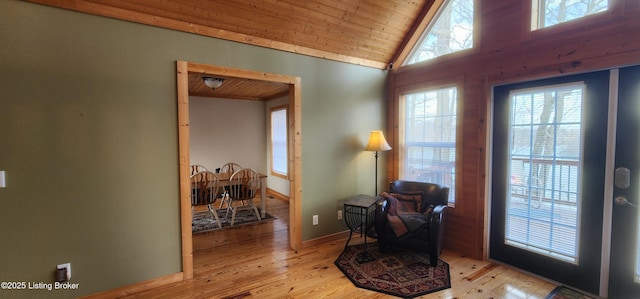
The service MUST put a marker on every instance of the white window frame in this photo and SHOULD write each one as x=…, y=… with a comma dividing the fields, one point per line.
x=274, y=147
x=511, y=240
x=402, y=153
x=538, y=14
x=529, y=30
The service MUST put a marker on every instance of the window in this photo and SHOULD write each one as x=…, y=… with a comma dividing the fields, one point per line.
x=452, y=31
x=544, y=167
x=279, y=160
x=429, y=153
x=551, y=12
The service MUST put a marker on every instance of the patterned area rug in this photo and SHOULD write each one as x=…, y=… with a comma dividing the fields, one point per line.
x=203, y=221
x=562, y=292
x=405, y=274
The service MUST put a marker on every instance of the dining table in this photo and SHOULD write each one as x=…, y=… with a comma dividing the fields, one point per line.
x=224, y=181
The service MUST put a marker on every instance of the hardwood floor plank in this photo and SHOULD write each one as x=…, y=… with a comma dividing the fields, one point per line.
x=255, y=261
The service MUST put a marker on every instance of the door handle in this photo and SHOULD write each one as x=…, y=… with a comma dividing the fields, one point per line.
x=622, y=201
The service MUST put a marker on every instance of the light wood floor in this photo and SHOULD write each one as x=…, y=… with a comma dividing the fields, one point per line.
x=255, y=261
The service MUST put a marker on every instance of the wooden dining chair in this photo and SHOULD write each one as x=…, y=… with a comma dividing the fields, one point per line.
x=243, y=187
x=230, y=168
x=205, y=190
x=227, y=169
x=197, y=168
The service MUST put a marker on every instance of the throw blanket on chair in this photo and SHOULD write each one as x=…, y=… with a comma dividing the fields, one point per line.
x=404, y=214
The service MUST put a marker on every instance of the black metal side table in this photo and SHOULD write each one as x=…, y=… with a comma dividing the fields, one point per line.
x=359, y=212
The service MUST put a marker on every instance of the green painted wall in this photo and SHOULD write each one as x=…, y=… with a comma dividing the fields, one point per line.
x=88, y=140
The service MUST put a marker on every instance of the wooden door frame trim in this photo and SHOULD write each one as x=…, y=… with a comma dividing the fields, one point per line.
x=295, y=147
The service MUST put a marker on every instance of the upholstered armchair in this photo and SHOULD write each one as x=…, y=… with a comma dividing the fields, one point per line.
x=411, y=215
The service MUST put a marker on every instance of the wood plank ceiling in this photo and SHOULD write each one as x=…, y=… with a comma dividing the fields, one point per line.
x=372, y=33
x=237, y=88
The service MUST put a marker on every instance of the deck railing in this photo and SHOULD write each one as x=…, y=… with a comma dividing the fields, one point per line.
x=545, y=180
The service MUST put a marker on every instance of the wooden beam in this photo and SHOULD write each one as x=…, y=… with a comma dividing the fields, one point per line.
x=184, y=168
x=239, y=73
x=295, y=191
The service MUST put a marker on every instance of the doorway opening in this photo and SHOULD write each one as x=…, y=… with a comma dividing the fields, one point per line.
x=295, y=149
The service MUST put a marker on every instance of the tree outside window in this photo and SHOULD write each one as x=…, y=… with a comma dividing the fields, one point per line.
x=552, y=12
x=451, y=31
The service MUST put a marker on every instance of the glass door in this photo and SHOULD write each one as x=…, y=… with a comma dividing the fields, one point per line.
x=549, y=154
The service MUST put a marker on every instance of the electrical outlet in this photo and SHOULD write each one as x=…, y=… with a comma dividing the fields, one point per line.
x=339, y=214
x=315, y=219
x=67, y=270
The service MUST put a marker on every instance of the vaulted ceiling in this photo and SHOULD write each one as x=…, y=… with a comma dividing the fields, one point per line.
x=374, y=33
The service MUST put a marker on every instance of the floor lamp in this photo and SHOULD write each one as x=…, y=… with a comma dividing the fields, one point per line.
x=377, y=143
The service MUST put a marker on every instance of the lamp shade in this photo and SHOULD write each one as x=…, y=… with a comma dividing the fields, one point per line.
x=377, y=142
x=212, y=82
